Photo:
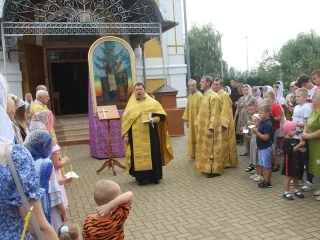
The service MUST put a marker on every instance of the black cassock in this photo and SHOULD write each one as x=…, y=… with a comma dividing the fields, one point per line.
x=155, y=174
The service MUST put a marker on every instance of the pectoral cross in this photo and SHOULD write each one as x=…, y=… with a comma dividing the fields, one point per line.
x=104, y=113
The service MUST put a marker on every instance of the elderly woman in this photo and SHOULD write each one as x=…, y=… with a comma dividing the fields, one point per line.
x=242, y=110
x=311, y=133
x=39, y=143
x=12, y=211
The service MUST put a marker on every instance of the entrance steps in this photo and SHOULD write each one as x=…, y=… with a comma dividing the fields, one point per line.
x=72, y=130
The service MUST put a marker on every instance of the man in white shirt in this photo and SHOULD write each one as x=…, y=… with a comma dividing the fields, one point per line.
x=305, y=82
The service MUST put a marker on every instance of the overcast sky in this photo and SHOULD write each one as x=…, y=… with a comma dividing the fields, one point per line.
x=267, y=24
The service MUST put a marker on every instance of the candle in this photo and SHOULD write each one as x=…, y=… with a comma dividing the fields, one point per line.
x=26, y=222
x=65, y=151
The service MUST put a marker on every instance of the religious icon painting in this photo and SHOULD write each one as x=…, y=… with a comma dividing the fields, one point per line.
x=112, y=72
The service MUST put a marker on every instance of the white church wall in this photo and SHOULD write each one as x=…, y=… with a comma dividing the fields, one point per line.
x=14, y=75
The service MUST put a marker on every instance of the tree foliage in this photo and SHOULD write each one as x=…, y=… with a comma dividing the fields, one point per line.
x=297, y=56
x=205, y=52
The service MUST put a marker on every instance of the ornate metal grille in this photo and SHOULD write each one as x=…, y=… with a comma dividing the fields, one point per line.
x=80, y=17
x=80, y=11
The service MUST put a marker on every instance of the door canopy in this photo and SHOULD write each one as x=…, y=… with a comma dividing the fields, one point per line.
x=141, y=19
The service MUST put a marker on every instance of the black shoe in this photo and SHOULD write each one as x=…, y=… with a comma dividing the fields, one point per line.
x=212, y=175
x=288, y=196
x=250, y=168
x=155, y=181
x=264, y=184
x=276, y=168
x=299, y=194
x=141, y=183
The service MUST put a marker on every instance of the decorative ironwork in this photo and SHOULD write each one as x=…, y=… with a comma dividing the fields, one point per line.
x=82, y=17
x=62, y=28
x=80, y=11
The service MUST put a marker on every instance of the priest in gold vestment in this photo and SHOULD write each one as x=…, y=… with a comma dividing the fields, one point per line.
x=229, y=144
x=190, y=114
x=208, y=157
x=145, y=133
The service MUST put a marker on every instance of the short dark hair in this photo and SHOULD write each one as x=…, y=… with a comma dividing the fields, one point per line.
x=297, y=85
x=218, y=80
x=233, y=79
x=208, y=79
x=139, y=84
x=303, y=79
x=317, y=71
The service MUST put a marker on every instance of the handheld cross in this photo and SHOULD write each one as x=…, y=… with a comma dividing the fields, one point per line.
x=104, y=113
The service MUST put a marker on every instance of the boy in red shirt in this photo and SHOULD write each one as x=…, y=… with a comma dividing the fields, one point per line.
x=278, y=115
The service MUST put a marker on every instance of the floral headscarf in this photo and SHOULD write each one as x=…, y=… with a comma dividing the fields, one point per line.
x=257, y=93
x=42, y=120
x=39, y=144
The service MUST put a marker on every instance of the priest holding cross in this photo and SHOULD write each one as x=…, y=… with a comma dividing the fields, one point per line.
x=145, y=133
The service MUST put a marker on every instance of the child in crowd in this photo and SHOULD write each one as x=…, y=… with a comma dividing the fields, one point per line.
x=254, y=160
x=69, y=231
x=251, y=109
x=291, y=168
x=264, y=144
x=112, y=211
x=278, y=117
x=300, y=116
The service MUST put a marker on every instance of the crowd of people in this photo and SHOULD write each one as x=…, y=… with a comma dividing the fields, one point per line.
x=271, y=128
x=28, y=139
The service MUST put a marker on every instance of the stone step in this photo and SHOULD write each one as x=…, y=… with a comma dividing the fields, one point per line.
x=69, y=137
x=71, y=126
x=66, y=132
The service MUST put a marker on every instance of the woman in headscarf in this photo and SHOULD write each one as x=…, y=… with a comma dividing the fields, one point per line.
x=12, y=210
x=28, y=99
x=20, y=119
x=278, y=91
x=39, y=143
x=257, y=94
x=242, y=110
x=44, y=120
x=227, y=90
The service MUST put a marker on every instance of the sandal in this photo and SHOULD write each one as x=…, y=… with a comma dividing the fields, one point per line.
x=250, y=168
x=299, y=194
x=288, y=196
x=276, y=168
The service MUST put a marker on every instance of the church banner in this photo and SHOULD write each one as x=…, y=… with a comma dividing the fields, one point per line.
x=112, y=72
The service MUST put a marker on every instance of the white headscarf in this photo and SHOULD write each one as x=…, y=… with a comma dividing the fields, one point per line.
x=229, y=90
x=249, y=90
x=279, y=96
x=6, y=130
x=27, y=104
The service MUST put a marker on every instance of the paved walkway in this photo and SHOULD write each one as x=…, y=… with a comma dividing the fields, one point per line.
x=186, y=205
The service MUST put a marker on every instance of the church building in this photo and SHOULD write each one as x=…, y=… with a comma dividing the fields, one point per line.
x=47, y=42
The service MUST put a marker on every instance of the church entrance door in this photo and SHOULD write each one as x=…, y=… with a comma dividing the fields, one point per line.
x=68, y=70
